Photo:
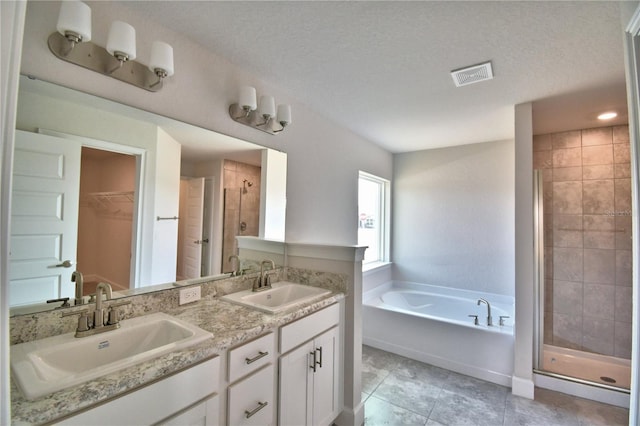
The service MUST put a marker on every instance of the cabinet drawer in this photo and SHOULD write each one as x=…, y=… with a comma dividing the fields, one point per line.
x=251, y=401
x=298, y=332
x=251, y=356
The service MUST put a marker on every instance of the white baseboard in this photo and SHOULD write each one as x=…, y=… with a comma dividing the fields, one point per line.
x=350, y=417
x=469, y=370
x=522, y=387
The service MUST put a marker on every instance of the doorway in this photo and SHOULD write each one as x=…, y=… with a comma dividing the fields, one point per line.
x=105, y=218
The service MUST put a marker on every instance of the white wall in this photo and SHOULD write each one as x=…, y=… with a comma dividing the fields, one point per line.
x=322, y=177
x=273, y=196
x=453, y=221
x=167, y=199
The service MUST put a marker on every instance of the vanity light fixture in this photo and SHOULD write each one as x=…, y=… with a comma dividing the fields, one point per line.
x=262, y=116
x=71, y=43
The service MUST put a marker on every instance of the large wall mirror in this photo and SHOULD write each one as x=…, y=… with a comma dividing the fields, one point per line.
x=119, y=195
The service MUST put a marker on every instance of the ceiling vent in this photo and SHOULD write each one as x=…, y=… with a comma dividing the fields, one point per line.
x=472, y=74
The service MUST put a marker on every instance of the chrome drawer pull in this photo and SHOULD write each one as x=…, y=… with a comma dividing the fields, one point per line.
x=257, y=357
x=260, y=406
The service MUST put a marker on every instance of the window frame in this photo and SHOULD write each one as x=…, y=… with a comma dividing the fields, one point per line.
x=384, y=214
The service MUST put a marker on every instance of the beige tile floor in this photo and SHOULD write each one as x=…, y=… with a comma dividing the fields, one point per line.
x=401, y=391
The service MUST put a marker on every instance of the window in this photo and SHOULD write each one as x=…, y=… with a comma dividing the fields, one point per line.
x=373, y=217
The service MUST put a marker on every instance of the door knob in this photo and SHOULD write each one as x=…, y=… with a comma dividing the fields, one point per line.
x=65, y=264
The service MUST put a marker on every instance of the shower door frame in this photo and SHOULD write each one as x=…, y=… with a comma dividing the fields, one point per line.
x=632, y=65
x=538, y=270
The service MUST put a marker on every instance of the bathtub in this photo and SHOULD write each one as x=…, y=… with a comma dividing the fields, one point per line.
x=432, y=324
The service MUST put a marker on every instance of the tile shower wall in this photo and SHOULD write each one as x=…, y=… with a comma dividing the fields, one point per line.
x=240, y=207
x=587, y=231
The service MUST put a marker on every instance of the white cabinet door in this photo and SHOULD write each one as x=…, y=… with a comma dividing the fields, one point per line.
x=309, y=382
x=325, y=379
x=296, y=388
x=207, y=413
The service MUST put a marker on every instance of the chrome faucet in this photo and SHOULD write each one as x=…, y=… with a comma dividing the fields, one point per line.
x=76, y=277
x=264, y=281
x=489, y=319
x=236, y=270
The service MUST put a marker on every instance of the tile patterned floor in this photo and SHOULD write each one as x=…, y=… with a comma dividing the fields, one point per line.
x=400, y=391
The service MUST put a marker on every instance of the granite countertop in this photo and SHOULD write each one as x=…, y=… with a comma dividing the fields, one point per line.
x=230, y=324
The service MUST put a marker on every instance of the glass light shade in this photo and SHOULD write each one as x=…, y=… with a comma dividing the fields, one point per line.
x=267, y=106
x=161, y=57
x=284, y=114
x=247, y=98
x=75, y=16
x=122, y=38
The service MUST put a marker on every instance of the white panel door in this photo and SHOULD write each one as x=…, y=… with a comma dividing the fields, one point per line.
x=192, y=243
x=44, y=217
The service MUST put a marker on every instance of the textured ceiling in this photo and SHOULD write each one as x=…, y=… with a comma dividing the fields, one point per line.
x=382, y=69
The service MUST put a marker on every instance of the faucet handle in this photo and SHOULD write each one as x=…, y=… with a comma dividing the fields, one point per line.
x=113, y=316
x=83, y=321
x=64, y=300
x=502, y=317
x=475, y=319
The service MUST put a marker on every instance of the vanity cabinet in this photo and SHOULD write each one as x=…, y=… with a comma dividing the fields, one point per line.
x=309, y=374
x=187, y=397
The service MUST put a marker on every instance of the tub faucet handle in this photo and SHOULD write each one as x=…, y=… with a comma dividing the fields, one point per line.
x=475, y=319
x=502, y=317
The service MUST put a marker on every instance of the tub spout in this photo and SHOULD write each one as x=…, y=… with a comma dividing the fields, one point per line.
x=489, y=319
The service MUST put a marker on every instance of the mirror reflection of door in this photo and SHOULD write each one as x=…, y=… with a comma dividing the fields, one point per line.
x=44, y=212
x=105, y=219
x=190, y=228
x=58, y=184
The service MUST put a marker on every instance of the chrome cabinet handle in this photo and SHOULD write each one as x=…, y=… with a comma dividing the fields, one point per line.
x=260, y=406
x=313, y=364
x=65, y=264
x=320, y=351
x=257, y=357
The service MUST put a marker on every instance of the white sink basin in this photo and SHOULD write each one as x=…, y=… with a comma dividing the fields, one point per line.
x=281, y=297
x=48, y=365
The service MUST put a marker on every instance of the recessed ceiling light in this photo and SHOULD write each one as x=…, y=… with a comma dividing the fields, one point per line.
x=607, y=115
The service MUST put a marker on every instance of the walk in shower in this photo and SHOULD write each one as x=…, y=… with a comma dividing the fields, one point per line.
x=583, y=250
x=241, y=207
